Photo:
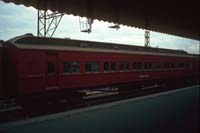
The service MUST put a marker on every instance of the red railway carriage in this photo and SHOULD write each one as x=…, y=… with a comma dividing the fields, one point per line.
x=35, y=65
x=1, y=64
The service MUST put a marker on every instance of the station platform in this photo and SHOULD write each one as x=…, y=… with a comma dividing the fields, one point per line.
x=167, y=112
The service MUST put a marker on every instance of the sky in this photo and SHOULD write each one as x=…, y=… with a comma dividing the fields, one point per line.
x=18, y=20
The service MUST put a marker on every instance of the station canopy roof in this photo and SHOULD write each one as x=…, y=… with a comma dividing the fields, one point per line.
x=170, y=17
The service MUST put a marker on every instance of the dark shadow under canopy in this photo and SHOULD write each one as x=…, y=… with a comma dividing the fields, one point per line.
x=171, y=17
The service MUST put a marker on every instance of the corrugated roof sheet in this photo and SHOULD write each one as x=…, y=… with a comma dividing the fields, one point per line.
x=175, y=18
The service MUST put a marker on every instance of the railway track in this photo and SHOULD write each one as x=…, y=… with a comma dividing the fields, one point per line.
x=10, y=111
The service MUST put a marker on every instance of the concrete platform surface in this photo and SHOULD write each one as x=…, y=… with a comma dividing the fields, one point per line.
x=173, y=111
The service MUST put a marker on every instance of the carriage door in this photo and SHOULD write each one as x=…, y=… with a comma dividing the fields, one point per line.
x=51, y=72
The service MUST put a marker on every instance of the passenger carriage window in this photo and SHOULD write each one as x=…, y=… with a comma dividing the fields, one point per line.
x=109, y=66
x=106, y=66
x=113, y=66
x=127, y=67
x=172, y=65
x=156, y=65
x=92, y=67
x=75, y=66
x=147, y=65
x=137, y=66
x=51, y=68
x=175, y=65
x=134, y=66
x=124, y=66
x=121, y=67
x=71, y=67
x=67, y=67
x=166, y=65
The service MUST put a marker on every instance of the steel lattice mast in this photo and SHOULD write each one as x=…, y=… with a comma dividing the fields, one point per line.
x=48, y=22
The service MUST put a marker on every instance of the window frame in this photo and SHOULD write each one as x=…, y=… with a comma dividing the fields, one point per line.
x=137, y=66
x=124, y=66
x=71, y=67
x=92, y=64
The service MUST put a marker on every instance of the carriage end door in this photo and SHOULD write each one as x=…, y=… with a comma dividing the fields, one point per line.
x=52, y=72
